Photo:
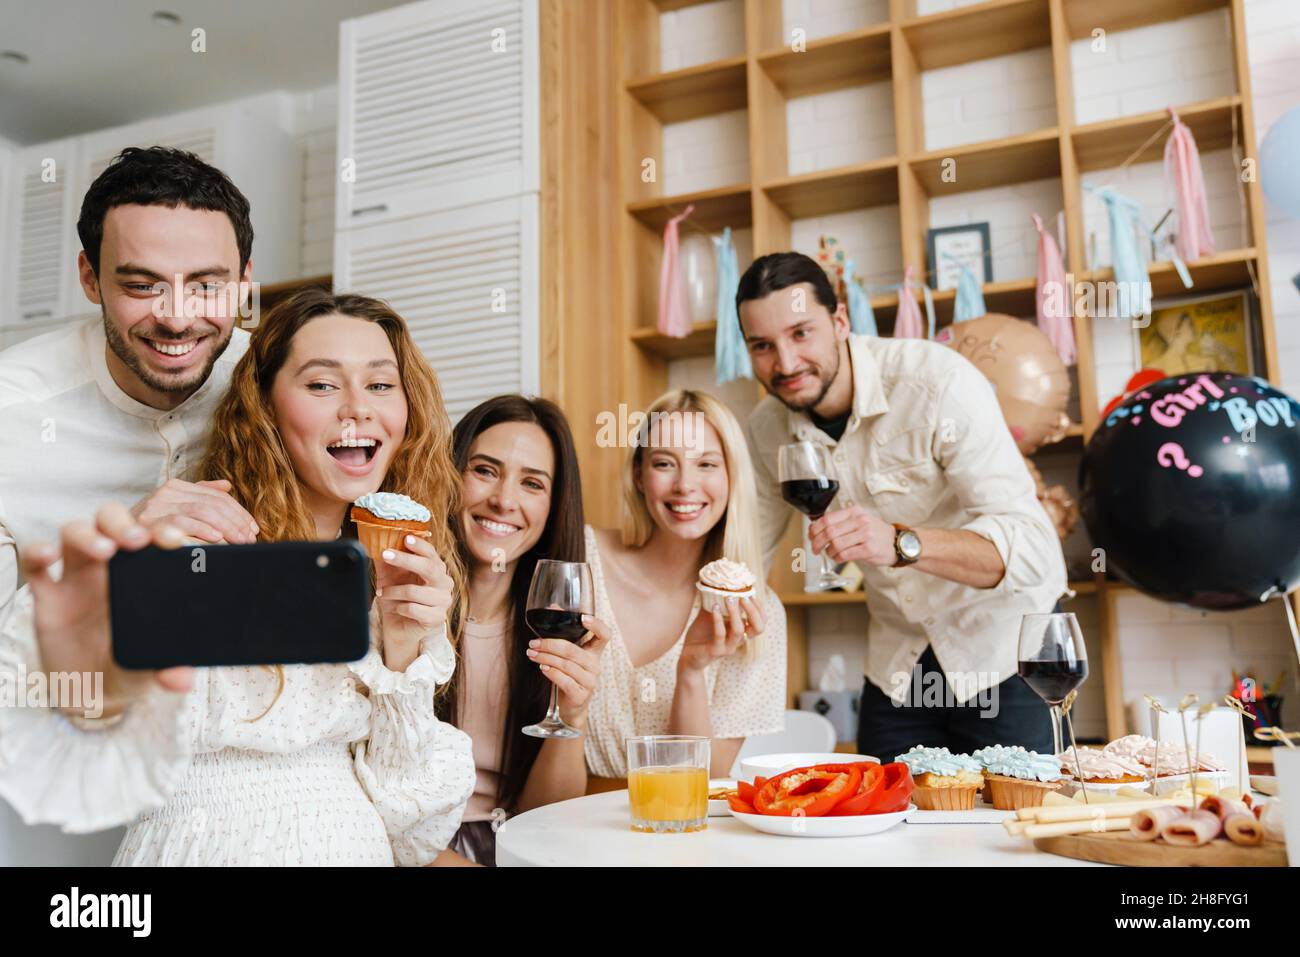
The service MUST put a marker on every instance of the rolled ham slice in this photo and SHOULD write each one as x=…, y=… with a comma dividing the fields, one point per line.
x=1243, y=829
x=1192, y=829
x=1223, y=808
x=1147, y=823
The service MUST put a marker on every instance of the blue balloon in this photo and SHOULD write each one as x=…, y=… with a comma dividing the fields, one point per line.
x=1279, y=158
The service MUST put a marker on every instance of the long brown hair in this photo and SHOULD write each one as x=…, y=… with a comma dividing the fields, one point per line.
x=563, y=539
x=247, y=450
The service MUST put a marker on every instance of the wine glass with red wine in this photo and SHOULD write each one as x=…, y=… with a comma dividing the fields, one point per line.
x=809, y=484
x=559, y=595
x=1053, y=661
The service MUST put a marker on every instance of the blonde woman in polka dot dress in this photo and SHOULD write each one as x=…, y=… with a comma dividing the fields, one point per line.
x=293, y=765
x=688, y=499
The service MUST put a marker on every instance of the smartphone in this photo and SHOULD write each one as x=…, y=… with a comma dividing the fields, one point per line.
x=264, y=604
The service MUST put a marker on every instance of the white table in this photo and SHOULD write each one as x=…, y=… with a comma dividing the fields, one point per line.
x=595, y=831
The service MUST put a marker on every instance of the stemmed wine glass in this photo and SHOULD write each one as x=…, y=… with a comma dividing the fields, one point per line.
x=559, y=595
x=1053, y=661
x=809, y=484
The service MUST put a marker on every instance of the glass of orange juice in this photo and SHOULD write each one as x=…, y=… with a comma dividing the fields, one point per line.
x=668, y=782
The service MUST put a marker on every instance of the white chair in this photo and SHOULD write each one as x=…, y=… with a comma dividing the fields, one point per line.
x=804, y=731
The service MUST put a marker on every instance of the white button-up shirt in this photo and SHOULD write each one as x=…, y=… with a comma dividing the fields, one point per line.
x=926, y=446
x=71, y=440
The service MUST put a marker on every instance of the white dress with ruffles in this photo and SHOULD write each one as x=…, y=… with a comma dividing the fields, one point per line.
x=349, y=767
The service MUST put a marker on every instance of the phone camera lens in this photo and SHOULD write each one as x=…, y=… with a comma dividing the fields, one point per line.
x=322, y=561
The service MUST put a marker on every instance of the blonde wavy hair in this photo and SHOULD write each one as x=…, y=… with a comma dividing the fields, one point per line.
x=247, y=450
x=736, y=534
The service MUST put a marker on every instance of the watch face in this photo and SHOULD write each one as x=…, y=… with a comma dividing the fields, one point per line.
x=909, y=543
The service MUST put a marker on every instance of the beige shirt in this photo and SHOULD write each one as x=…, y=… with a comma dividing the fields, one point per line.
x=746, y=695
x=484, y=680
x=927, y=446
x=72, y=440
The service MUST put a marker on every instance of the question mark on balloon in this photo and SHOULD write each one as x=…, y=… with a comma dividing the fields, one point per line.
x=1171, y=454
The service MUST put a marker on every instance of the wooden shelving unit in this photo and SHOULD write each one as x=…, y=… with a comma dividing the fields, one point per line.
x=898, y=51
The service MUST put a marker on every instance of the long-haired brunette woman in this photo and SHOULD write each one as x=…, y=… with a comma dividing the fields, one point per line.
x=521, y=501
x=296, y=764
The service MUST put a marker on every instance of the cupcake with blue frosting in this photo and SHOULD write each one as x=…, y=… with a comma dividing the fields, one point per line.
x=944, y=781
x=384, y=519
x=1018, y=778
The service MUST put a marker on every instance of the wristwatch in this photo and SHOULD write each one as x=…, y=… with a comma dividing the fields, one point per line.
x=907, y=546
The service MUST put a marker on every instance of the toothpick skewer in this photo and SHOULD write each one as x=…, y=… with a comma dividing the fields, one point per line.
x=1156, y=709
x=1066, y=705
x=1187, y=702
x=1242, y=714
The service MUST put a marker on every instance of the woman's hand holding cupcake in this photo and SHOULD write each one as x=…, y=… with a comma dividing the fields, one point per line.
x=573, y=668
x=414, y=594
x=715, y=635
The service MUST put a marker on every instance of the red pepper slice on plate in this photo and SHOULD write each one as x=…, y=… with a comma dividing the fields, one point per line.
x=896, y=794
x=746, y=790
x=873, y=781
x=740, y=805
x=811, y=791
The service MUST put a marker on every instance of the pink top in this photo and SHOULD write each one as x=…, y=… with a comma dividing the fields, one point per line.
x=483, y=697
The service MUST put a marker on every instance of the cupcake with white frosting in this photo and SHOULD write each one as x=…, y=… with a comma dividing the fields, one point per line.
x=1016, y=777
x=723, y=579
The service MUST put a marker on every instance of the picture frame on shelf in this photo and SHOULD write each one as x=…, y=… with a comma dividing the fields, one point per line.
x=951, y=248
x=1206, y=333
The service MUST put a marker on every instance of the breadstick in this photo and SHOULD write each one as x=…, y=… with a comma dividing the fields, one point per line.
x=1081, y=811
x=1059, y=828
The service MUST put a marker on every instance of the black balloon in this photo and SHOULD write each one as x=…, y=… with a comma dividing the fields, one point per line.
x=1192, y=488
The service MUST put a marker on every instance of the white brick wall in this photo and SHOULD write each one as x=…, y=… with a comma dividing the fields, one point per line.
x=988, y=99
x=1167, y=651
x=1273, y=33
x=1149, y=68
x=840, y=128
x=823, y=18
x=694, y=35
x=706, y=153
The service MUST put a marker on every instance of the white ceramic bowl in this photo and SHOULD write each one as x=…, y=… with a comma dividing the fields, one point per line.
x=855, y=825
x=767, y=765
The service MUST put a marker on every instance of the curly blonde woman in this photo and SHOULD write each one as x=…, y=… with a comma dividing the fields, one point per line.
x=688, y=499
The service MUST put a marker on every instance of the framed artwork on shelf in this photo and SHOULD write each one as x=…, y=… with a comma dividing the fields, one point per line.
x=951, y=248
x=1211, y=333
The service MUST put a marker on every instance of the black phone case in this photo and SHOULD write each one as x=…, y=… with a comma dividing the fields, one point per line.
x=264, y=604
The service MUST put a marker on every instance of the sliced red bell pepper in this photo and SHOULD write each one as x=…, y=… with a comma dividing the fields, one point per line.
x=740, y=805
x=746, y=790
x=873, y=781
x=810, y=791
x=896, y=793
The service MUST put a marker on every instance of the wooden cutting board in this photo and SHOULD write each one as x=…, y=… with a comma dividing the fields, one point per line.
x=1120, y=847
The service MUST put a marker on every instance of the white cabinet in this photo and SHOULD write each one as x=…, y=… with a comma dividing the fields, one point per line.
x=247, y=139
x=39, y=250
x=466, y=282
x=437, y=206
x=438, y=107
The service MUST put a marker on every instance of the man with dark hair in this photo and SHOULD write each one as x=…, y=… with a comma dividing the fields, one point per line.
x=120, y=406
x=934, y=504
x=111, y=409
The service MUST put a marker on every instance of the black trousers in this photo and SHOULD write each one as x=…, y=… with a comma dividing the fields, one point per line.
x=1009, y=713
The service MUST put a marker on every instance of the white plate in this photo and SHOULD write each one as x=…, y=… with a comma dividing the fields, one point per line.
x=720, y=808
x=855, y=825
x=767, y=765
